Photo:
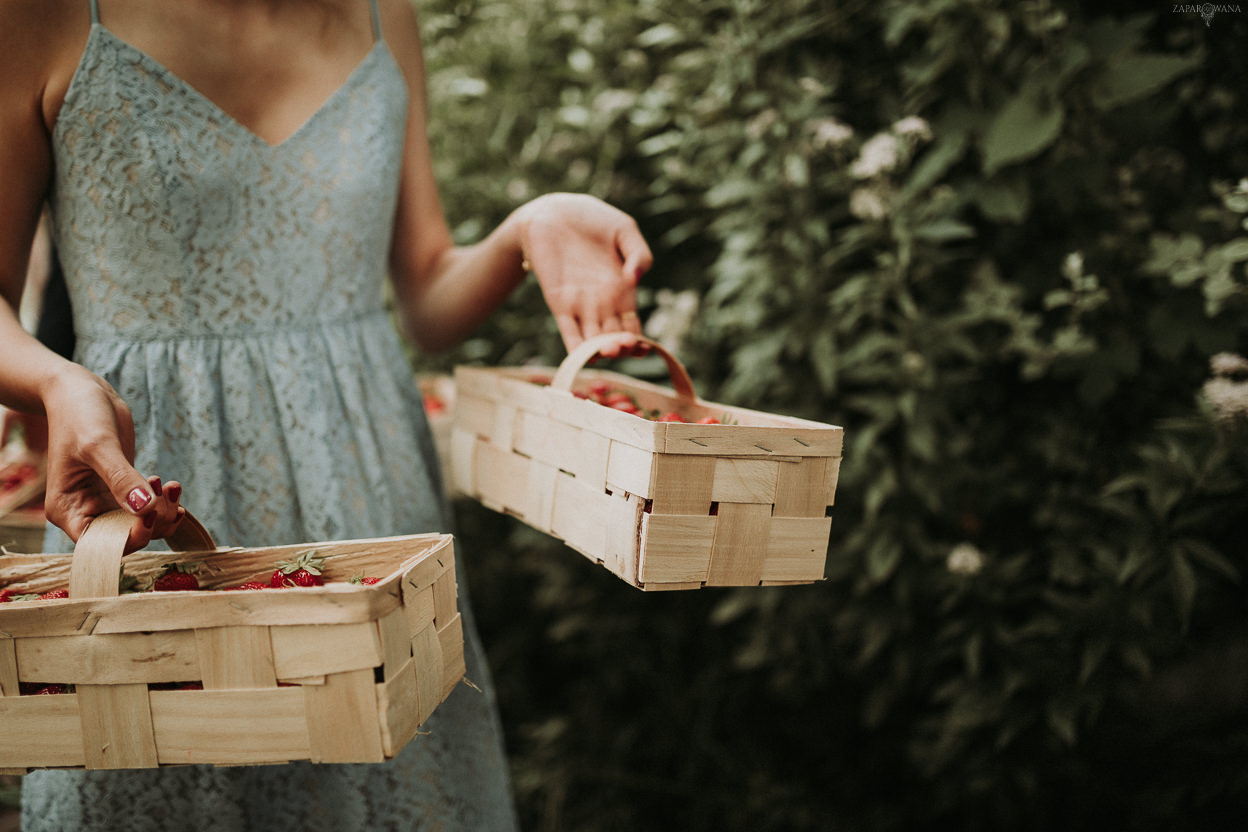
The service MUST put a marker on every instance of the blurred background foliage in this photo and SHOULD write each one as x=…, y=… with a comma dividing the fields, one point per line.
x=1004, y=245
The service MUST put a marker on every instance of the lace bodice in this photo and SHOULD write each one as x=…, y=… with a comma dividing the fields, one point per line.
x=171, y=218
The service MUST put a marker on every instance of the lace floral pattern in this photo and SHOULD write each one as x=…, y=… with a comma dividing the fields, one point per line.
x=231, y=291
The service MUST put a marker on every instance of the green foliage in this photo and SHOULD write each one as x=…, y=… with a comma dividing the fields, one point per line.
x=1000, y=244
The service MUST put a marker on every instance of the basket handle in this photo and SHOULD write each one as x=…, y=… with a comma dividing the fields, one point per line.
x=579, y=357
x=97, y=557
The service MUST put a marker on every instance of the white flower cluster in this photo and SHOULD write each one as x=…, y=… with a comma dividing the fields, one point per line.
x=965, y=559
x=880, y=155
x=826, y=133
x=1227, y=390
x=877, y=156
x=672, y=318
x=1072, y=266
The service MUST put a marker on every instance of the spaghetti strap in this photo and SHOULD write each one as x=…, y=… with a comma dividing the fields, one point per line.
x=372, y=6
x=95, y=11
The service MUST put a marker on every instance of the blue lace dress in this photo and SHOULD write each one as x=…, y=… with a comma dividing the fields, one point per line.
x=232, y=292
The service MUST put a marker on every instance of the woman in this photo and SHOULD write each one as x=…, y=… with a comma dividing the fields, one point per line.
x=228, y=182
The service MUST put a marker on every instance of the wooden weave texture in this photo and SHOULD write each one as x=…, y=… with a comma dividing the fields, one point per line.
x=661, y=505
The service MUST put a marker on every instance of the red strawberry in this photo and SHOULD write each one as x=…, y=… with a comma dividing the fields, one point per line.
x=304, y=570
x=177, y=577
x=248, y=585
x=53, y=594
x=618, y=397
x=360, y=579
x=34, y=689
x=599, y=388
x=434, y=405
x=670, y=417
x=708, y=420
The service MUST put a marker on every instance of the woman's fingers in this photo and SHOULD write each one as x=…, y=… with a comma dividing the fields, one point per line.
x=569, y=330
x=140, y=533
x=633, y=249
x=127, y=485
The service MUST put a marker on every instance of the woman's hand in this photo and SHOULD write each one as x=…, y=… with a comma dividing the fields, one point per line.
x=90, y=455
x=588, y=257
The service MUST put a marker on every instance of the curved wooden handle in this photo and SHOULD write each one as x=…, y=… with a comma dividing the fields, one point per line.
x=96, y=566
x=577, y=359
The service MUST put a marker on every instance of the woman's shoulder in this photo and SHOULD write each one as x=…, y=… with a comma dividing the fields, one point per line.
x=26, y=25
x=41, y=42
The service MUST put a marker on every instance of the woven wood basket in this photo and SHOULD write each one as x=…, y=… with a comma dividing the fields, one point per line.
x=439, y=394
x=339, y=673
x=662, y=505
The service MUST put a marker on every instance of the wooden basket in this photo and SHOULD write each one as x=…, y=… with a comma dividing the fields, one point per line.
x=339, y=673
x=662, y=505
x=439, y=395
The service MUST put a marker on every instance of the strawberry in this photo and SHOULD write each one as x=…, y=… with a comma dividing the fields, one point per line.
x=618, y=397
x=362, y=580
x=304, y=570
x=626, y=407
x=598, y=388
x=35, y=689
x=434, y=406
x=54, y=594
x=177, y=577
x=670, y=417
x=249, y=585
x=708, y=420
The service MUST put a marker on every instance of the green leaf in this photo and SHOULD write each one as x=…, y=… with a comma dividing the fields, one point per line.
x=1132, y=77
x=1209, y=557
x=1061, y=718
x=1004, y=198
x=933, y=164
x=1026, y=125
x=1183, y=585
x=823, y=355
x=1094, y=653
x=944, y=230
x=664, y=34
x=882, y=559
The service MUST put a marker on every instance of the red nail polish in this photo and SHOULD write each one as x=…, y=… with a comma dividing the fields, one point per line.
x=154, y=482
x=638, y=272
x=138, y=499
x=174, y=492
x=149, y=521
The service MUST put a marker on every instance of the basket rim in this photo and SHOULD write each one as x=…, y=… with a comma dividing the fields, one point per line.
x=330, y=603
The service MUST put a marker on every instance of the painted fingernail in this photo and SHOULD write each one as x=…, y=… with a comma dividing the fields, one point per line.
x=174, y=492
x=154, y=482
x=149, y=521
x=138, y=499
x=638, y=272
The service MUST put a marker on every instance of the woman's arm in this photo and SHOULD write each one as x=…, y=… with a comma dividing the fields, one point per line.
x=91, y=435
x=587, y=255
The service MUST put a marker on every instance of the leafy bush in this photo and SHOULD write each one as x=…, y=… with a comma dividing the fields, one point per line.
x=1004, y=246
